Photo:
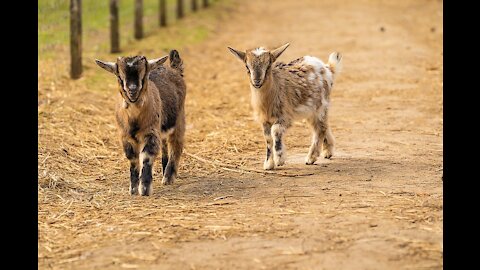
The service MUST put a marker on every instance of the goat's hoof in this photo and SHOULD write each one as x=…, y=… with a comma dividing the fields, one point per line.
x=168, y=180
x=268, y=164
x=133, y=190
x=280, y=163
x=310, y=160
x=145, y=190
x=327, y=154
x=279, y=160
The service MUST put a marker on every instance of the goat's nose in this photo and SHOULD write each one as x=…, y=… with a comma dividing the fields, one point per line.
x=257, y=81
x=132, y=87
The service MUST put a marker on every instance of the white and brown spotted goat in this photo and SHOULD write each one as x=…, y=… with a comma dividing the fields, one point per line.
x=150, y=112
x=283, y=92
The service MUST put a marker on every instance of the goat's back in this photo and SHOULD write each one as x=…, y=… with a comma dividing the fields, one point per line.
x=172, y=89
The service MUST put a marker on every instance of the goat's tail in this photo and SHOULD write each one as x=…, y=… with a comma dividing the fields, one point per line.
x=175, y=61
x=335, y=62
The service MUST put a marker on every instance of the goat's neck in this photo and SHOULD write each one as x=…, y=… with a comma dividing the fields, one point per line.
x=134, y=110
x=268, y=90
x=263, y=98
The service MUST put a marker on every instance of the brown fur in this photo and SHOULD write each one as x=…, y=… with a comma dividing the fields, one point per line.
x=155, y=118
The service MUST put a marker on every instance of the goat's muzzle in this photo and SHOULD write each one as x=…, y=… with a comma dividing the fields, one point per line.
x=257, y=83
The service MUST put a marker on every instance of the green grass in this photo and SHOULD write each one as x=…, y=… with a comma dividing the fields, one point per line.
x=54, y=24
x=53, y=37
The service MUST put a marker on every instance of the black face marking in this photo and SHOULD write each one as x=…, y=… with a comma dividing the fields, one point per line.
x=132, y=84
x=152, y=145
x=134, y=128
x=129, y=151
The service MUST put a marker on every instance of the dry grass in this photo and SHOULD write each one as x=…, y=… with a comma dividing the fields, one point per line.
x=379, y=200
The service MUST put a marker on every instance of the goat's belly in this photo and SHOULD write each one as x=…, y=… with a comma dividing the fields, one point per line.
x=302, y=111
x=166, y=133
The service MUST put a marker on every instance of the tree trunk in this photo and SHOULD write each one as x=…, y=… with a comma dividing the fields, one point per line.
x=205, y=3
x=179, y=9
x=75, y=39
x=138, y=19
x=194, y=5
x=114, y=31
x=163, y=12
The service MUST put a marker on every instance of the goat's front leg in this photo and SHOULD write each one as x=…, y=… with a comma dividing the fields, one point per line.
x=277, y=131
x=147, y=156
x=267, y=133
x=132, y=156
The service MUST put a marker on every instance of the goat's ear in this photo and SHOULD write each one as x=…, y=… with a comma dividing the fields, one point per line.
x=108, y=66
x=240, y=55
x=155, y=63
x=278, y=51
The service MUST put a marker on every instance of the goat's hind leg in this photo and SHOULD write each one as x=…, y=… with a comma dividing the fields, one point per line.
x=328, y=144
x=164, y=155
x=318, y=136
x=175, y=148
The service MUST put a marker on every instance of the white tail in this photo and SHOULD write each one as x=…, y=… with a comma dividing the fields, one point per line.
x=335, y=62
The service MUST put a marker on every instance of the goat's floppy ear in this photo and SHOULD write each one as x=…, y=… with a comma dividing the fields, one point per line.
x=108, y=66
x=155, y=63
x=240, y=55
x=278, y=51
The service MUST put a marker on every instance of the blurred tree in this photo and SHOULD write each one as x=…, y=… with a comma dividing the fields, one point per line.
x=179, y=9
x=114, y=30
x=194, y=5
x=138, y=19
x=75, y=39
x=163, y=13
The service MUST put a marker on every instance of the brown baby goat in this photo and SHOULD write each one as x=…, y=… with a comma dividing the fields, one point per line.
x=283, y=92
x=150, y=112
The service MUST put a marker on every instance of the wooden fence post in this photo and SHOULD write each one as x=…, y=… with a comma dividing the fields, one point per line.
x=114, y=31
x=205, y=3
x=194, y=5
x=163, y=13
x=75, y=39
x=138, y=19
x=179, y=9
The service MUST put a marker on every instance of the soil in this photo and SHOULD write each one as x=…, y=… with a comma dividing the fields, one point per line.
x=377, y=204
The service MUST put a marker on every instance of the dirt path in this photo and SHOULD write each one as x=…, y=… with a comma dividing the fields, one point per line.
x=376, y=205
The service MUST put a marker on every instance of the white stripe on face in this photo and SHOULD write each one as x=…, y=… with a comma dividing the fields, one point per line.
x=259, y=51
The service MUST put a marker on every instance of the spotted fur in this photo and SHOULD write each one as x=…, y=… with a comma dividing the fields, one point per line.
x=283, y=92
